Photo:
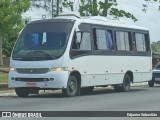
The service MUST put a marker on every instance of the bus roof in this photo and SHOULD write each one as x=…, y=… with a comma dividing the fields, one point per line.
x=97, y=20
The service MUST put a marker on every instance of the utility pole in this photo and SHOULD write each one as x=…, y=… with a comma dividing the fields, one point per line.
x=57, y=11
x=105, y=11
x=52, y=8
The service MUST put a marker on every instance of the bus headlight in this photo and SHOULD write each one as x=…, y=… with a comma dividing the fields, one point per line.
x=12, y=69
x=59, y=69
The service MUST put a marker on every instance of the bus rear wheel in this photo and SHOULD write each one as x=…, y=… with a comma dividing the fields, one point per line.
x=125, y=86
x=72, y=87
x=22, y=92
x=126, y=83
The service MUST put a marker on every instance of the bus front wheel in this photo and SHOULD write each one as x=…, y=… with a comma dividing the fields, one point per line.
x=22, y=92
x=72, y=87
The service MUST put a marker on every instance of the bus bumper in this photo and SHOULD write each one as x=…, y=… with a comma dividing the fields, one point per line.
x=49, y=80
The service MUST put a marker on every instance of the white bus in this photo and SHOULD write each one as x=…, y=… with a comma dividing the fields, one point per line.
x=76, y=54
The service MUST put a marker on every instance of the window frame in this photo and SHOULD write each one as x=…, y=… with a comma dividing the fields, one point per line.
x=74, y=53
x=106, y=29
x=73, y=40
x=113, y=51
x=130, y=39
x=146, y=40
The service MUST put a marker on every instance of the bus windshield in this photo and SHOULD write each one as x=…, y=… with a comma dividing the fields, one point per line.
x=42, y=41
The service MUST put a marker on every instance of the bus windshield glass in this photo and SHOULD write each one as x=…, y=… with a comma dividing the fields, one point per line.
x=42, y=41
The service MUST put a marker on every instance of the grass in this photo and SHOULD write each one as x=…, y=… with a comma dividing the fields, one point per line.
x=3, y=77
x=4, y=67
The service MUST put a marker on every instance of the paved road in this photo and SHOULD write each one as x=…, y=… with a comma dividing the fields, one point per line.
x=140, y=98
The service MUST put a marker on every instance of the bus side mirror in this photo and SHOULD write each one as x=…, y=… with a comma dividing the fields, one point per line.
x=78, y=37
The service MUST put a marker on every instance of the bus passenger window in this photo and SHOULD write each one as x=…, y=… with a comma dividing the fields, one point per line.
x=101, y=39
x=104, y=40
x=123, y=41
x=140, y=42
x=84, y=43
x=109, y=39
x=120, y=40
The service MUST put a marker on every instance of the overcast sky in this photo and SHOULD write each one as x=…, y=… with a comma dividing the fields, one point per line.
x=150, y=19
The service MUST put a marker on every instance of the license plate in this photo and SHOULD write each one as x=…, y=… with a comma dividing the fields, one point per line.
x=30, y=84
x=157, y=79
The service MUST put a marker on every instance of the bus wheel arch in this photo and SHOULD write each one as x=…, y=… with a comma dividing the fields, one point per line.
x=77, y=75
x=75, y=81
x=128, y=78
x=130, y=73
x=125, y=86
x=126, y=83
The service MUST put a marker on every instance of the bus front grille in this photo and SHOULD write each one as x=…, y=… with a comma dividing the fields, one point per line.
x=32, y=70
x=32, y=79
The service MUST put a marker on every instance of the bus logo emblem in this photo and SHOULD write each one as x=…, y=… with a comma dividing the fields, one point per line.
x=31, y=71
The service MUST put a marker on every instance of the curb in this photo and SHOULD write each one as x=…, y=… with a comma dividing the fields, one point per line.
x=4, y=70
x=3, y=86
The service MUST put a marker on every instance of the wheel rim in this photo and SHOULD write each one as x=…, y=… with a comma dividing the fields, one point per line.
x=127, y=83
x=72, y=86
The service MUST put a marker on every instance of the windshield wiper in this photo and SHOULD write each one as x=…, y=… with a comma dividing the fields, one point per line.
x=40, y=51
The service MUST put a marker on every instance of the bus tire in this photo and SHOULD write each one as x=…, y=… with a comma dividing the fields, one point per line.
x=126, y=83
x=72, y=87
x=87, y=90
x=151, y=83
x=22, y=92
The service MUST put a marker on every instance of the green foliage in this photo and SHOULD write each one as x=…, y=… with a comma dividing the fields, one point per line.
x=10, y=14
x=8, y=44
x=92, y=8
x=86, y=7
x=49, y=6
x=121, y=13
x=11, y=21
x=68, y=5
x=155, y=47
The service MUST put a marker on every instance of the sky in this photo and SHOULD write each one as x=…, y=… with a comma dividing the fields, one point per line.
x=150, y=19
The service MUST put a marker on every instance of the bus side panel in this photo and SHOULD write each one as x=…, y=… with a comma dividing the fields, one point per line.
x=108, y=70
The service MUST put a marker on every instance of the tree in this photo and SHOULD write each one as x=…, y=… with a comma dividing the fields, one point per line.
x=10, y=38
x=108, y=7
x=86, y=7
x=155, y=47
x=10, y=19
x=51, y=6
